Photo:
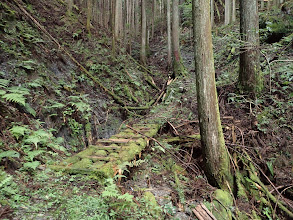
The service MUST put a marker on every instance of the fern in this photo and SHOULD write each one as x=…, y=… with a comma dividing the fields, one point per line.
x=38, y=137
x=4, y=83
x=16, y=94
x=2, y=92
x=19, y=131
x=14, y=97
x=31, y=165
x=18, y=90
x=32, y=154
x=9, y=153
x=7, y=186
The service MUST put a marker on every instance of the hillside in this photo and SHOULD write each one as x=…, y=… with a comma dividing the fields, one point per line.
x=64, y=91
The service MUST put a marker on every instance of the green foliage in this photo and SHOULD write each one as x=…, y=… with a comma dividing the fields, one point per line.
x=4, y=83
x=276, y=21
x=15, y=94
x=34, y=145
x=31, y=165
x=9, y=154
x=8, y=187
x=19, y=131
x=84, y=207
x=187, y=13
x=27, y=64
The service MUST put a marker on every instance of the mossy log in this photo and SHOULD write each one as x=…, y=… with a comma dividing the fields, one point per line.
x=180, y=139
x=250, y=176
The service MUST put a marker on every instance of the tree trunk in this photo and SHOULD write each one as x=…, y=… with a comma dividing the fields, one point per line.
x=262, y=4
x=250, y=78
x=154, y=18
x=212, y=13
x=228, y=10
x=169, y=59
x=233, y=15
x=137, y=18
x=217, y=164
x=143, y=33
x=118, y=18
x=113, y=9
x=89, y=15
x=69, y=6
x=178, y=66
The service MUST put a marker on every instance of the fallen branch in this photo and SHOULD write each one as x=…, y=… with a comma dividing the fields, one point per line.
x=202, y=213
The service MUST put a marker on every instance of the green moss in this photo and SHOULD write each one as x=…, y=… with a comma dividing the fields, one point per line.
x=88, y=152
x=114, y=155
x=153, y=204
x=129, y=154
x=108, y=169
x=101, y=153
x=221, y=205
x=83, y=164
x=241, y=192
x=97, y=165
x=73, y=159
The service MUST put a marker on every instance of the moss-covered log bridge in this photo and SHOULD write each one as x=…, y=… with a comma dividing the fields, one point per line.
x=105, y=158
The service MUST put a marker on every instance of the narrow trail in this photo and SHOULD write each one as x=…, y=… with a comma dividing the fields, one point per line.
x=106, y=157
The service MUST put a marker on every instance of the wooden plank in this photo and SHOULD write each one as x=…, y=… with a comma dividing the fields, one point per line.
x=115, y=140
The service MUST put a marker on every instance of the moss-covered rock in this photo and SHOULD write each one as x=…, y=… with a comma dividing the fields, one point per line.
x=221, y=205
x=114, y=155
x=153, y=204
x=89, y=151
x=108, y=169
x=82, y=164
x=101, y=153
x=71, y=160
x=97, y=165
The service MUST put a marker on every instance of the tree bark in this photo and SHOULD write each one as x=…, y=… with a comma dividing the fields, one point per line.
x=143, y=33
x=89, y=15
x=262, y=4
x=69, y=6
x=217, y=164
x=250, y=77
x=169, y=47
x=212, y=13
x=118, y=19
x=228, y=10
x=178, y=66
x=233, y=15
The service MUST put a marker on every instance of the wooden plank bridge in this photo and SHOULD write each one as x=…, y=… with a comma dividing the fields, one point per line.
x=104, y=158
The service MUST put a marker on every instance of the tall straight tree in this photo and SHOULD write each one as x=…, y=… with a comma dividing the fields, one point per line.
x=178, y=66
x=228, y=11
x=118, y=19
x=143, y=33
x=89, y=15
x=250, y=77
x=69, y=6
x=217, y=164
x=169, y=59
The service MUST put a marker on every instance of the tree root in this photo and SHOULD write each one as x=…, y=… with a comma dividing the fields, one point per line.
x=253, y=178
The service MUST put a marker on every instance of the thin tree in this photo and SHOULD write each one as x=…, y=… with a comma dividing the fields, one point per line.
x=169, y=47
x=217, y=164
x=143, y=33
x=89, y=15
x=212, y=12
x=228, y=11
x=178, y=66
x=69, y=6
x=250, y=77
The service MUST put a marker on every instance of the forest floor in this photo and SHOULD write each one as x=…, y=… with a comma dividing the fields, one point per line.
x=173, y=174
